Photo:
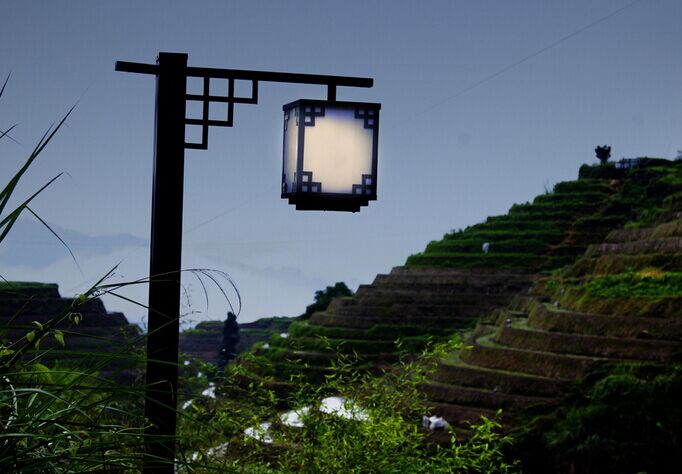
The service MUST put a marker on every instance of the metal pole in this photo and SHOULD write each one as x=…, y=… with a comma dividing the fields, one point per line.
x=165, y=264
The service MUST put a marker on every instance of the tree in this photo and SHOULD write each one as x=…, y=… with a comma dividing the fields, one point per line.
x=228, y=347
x=324, y=297
x=603, y=153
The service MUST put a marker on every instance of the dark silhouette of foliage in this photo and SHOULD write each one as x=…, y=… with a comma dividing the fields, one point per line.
x=228, y=346
x=324, y=297
x=629, y=420
x=603, y=153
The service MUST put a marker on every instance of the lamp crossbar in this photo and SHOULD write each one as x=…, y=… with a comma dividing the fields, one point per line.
x=332, y=82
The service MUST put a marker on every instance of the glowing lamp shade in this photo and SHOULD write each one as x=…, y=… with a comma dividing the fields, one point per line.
x=330, y=154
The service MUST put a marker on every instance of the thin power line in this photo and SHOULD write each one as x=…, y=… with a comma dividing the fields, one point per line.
x=532, y=55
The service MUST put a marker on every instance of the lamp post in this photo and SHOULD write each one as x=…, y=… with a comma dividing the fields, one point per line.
x=353, y=150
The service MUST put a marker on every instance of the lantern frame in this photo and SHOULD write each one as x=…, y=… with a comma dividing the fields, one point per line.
x=304, y=195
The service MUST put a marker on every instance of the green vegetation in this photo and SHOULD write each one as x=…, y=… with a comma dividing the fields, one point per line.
x=643, y=284
x=60, y=420
x=24, y=285
x=549, y=357
x=555, y=228
x=411, y=344
x=386, y=332
x=529, y=235
x=600, y=171
x=324, y=297
x=381, y=434
x=204, y=327
x=67, y=421
x=468, y=260
x=625, y=419
x=603, y=153
x=641, y=195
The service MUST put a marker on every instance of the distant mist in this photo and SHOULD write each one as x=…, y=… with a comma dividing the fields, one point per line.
x=31, y=244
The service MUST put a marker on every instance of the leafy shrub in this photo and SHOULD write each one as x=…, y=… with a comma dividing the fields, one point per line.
x=20, y=286
x=386, y=438
x=575, y=199
x=629, y=421
x=582, y=185
x=60, y=420
x=382, y=332
x=598, y=171
x=673, y=202
x=468, y=260
x=324, y=297
x=603, y=153
x=526, y=245
x=643, y=284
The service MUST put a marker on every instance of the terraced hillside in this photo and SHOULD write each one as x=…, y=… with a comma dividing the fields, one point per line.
x=203, y=341
x=412, y=305
x=621, y=302
x=451, y=284
x=549, y=232
x=97, y=332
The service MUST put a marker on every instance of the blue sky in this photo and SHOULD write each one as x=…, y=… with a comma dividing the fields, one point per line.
x=483, y=104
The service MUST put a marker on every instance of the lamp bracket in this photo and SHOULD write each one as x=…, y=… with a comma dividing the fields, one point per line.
x=230, y=99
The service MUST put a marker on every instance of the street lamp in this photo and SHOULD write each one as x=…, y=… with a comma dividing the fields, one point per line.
x=330, y=163
x=330, y=154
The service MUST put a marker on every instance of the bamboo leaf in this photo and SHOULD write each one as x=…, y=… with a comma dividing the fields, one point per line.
x=42, y=143
x=56, y=235
x=59, y=337
x=75, y=317
x=5, y=84
x=4, y=133
x=7, y=223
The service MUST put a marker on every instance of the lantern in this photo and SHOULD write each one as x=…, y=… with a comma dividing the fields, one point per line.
x=330, y=154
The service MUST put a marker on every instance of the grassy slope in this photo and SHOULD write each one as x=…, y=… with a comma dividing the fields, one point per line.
x=552, y=231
